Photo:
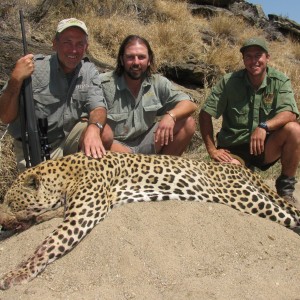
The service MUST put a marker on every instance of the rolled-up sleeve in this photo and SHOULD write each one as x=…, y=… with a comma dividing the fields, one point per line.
x=94, y=97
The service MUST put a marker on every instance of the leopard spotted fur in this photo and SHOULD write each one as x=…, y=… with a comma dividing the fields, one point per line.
x=87, y=189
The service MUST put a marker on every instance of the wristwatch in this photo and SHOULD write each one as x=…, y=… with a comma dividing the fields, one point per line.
x=264, y=126
x=99, y=125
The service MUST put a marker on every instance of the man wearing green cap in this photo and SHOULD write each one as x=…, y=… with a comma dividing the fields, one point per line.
x=66, y=91
x=259, y=118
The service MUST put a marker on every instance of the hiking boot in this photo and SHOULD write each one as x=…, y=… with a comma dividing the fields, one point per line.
x=292, y=200
x=285, y=185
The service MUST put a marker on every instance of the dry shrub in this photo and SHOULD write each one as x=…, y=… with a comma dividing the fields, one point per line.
x=296, y=51
x=8, y=166
x=226, y=26
x=108, y=33
x=225, y=55
x=174, y=42
x=283, y=58
x=171, y=10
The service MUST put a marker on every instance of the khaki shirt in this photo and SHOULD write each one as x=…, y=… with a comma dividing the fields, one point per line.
x=243, y=108
x=130, y=117
x=60, y=98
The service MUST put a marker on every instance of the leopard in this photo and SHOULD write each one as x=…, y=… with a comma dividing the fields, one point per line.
x=86, y=189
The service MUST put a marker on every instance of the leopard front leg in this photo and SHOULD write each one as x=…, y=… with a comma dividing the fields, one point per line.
x=58, y=243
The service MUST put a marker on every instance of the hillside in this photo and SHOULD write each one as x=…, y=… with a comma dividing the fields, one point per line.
x=201, y=38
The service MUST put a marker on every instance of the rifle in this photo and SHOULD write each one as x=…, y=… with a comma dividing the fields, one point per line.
x=34, y=151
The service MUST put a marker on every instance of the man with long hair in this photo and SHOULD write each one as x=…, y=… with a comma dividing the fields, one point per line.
x=146, y=112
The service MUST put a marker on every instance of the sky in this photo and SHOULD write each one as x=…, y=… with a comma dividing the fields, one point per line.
x=286, y=8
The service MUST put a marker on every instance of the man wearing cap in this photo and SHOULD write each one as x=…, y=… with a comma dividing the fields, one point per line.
x=259, y=118
x=66, y=91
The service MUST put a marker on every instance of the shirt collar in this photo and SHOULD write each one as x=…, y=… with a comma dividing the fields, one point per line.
x=121, y=84
x=264, y=83
x=56, y=64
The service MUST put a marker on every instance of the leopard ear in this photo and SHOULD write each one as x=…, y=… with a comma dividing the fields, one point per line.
x=32, y=181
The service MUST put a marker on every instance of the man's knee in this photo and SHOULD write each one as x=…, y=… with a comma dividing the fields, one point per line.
x=293, y=130
x=189, y=126
x=288, y=135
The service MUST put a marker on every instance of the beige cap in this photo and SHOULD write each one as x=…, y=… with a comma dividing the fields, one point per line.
x=66, y=23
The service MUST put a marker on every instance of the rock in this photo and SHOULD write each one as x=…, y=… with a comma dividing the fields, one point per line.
x=217, y=3
x=191, y=73
x=208, y=11
x=285, y=26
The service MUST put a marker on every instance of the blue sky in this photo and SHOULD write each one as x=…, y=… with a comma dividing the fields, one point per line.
x=284, y=8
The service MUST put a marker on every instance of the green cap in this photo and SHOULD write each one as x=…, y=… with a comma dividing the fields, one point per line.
x=255, y=41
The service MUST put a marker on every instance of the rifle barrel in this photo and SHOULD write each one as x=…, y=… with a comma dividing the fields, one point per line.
x=34, y=145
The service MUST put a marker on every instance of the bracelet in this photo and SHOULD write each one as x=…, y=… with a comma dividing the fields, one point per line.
x=172, y=116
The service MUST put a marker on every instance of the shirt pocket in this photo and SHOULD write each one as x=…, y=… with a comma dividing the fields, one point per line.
x=150, y=113
x=266, y=112
x=240, y=115
x=46, y=105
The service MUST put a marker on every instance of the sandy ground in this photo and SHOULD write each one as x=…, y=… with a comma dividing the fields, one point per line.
x=169, y=250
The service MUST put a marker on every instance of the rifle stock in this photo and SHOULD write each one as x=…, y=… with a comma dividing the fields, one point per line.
x=29, y=128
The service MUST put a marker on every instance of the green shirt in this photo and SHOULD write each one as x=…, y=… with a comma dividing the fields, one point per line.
x=61, y=98
x=130, y=117
x=243, y=108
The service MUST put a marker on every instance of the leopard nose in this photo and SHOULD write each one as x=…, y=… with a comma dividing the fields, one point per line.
x=7, y=222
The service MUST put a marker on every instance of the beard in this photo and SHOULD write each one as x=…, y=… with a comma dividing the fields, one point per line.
x=135, y=74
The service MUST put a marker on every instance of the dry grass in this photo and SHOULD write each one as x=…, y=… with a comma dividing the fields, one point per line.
x=296, y=51
x=225, y=26
x=283, y=58
x=173, y=32
x=8, y=171
x=225, y=55
x=182, y=42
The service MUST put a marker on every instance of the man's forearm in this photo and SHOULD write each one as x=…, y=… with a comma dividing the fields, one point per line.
x=280, y=120
x=184, y=109
x=207, y=132
x=99, y=114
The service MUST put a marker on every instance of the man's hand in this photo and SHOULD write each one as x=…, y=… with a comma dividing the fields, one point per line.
x=9, y=100
x=164, y=132
x=23, y=68
x=257, y=141
x=221, y=155
x=92, y=144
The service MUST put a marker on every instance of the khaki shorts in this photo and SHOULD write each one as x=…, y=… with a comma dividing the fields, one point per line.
x=144, y=144
x=61, y=148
